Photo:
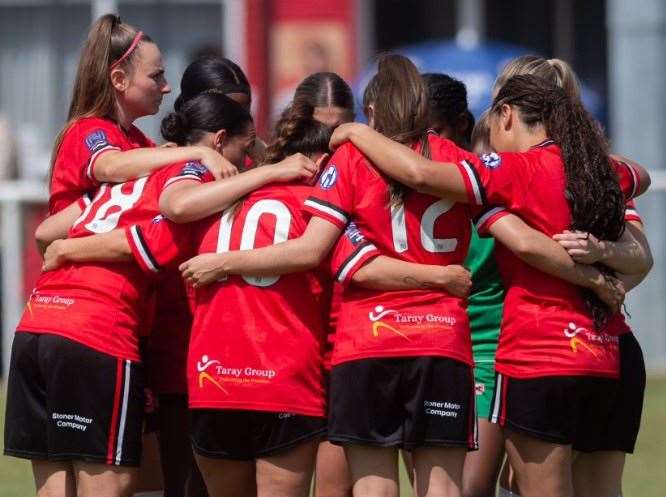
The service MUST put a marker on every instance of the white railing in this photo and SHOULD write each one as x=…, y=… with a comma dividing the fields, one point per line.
x=13, y=196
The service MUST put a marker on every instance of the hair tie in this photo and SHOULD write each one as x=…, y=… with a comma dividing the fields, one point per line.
x=135, y=42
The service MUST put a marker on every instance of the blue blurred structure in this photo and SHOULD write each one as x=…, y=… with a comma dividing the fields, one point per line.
x=477, y=66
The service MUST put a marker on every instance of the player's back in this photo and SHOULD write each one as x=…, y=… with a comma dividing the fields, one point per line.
x=269, y=331
x=100, y=304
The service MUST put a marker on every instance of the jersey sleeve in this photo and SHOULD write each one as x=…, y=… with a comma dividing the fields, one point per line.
x=333, y=197
x=628, y=178
x=159, y=243
x=496, y=179
x=83, y=144
x=193, y=171
x=485, y=218
x=631, y=213
x=351, y=252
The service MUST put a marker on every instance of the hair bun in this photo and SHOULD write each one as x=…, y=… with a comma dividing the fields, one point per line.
x=175, y=127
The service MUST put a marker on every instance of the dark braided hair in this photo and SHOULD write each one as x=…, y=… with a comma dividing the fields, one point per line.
x=447, y=102
x=592, y=190
x=400, y=102
x=297, y=131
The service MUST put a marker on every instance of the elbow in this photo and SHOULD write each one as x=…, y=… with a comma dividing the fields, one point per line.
x=523, y=247
x=176, y=211
x=416, y=179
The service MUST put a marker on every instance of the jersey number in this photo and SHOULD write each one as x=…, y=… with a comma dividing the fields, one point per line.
x=282, y=224
x=427, y=229
x=108, y=214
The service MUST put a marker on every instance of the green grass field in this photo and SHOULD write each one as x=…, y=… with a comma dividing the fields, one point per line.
x=644, y=474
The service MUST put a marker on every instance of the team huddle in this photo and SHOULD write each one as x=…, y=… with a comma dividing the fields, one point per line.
x=322, y=302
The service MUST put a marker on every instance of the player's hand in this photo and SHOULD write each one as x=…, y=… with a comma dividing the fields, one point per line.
x=611, y=291
x=295, y=167
x=456, y=280
x=203, y=269
x=54, y=257
x=219, y=167
x=343, y=134
x=582, y=247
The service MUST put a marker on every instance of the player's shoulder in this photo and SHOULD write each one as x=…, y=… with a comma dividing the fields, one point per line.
x=94, y=132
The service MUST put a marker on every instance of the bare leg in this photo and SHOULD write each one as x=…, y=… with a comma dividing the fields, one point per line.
x=438, y=471
x=598, y=474
x=103, y=480
x=543, y=469
x=374, y=470
x=288, y=474
x=332, y=476
x=227, y=477
x=54, y=479
x=482, y=466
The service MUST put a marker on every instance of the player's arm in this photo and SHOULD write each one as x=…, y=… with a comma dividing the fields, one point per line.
x=187, y=201
x=403, y=164
x=642, y=179
x=116, y=166
x=104, y=247
x=387, y=273
x=56, y=226
x=629, y=255
x=293, y=256
x=546, y=255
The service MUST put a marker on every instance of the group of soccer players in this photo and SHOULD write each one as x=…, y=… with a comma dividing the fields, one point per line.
x=305, y=305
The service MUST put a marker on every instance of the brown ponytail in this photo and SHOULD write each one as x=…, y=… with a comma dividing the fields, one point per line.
x=592, y=189
x=399, y=99
x=108, y=40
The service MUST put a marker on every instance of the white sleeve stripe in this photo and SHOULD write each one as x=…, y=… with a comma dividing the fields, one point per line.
x=184, y=176
x=484, y=217
x=634, y=177
x=326, y=210
x=143, y=252
x=86, y=199
x=344, y=271
x=476, y=188
x=93, y=158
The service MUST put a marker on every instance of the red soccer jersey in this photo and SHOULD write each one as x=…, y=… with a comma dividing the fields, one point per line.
x=546, y=328
x=256, y=343
x=422, y=229
x=83, y=143
x=101, y=305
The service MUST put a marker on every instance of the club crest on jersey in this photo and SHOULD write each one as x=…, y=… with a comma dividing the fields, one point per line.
x=491, y=161
x=96, y=140
x=195, y=168
x=328, y=178
x=354, y=234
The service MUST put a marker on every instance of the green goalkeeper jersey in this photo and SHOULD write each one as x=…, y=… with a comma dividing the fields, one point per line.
x=486, y=299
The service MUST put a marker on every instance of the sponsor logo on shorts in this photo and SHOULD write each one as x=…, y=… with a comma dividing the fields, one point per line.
x=442, y=409
x=400, y=322
x=479, y=388
x=582, y=339
x=214, y=372
x=71, y=421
